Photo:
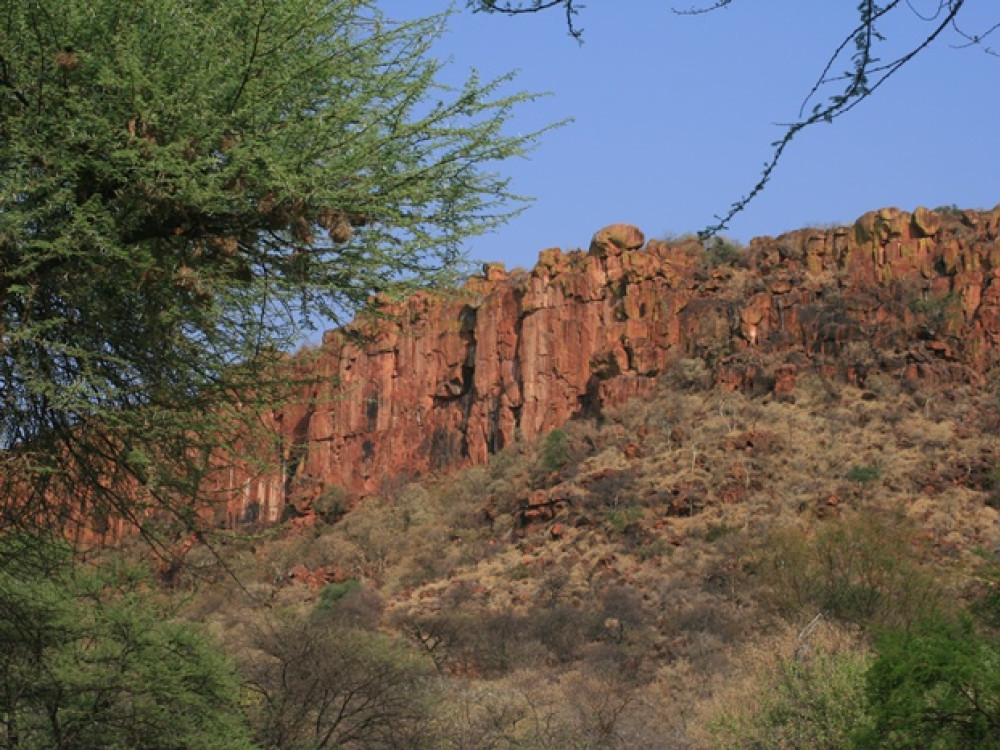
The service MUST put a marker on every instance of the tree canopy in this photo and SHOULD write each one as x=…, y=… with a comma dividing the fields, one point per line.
x=88, y=661
x=184, y=187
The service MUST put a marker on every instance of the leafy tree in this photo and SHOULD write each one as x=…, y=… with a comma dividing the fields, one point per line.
x=86, y=662
x=185, y=186
x=869, y=57
x=934, y=686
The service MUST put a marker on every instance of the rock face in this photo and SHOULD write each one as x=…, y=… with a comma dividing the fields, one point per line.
x=439, y=382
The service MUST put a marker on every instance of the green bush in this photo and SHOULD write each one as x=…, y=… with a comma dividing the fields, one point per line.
x=332, y=593
x=862, y=569
x=724, y=252
x=864, y=473
x=89, y=661
x=554, y=454
x=621, y=519
x=688, y=374
x=936, y=685
x=817, y=704
x=332, y=504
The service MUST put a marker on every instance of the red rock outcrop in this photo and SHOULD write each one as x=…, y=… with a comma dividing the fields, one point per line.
x=442, y=381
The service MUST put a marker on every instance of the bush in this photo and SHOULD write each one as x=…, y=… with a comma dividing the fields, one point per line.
x=724, y=252
x=936, y=685
x=332, y=504
x=624, y=519
x=562, y=629
x=332, y=593
x=688, y=374
x=864, y=473
x=862, y=569
x=817, y=704
x=554, y=453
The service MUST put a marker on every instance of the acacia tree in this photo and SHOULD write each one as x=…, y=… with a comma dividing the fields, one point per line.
x=88, y=661
x=184, y=186
x=855, y=69
x=935, y=685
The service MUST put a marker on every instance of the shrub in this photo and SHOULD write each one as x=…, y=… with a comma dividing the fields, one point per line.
x=862, y=569
x=350, y=603
x=554, y=454
x=816, y=704
x=332, y=504
x=622, y=519
x=724, y=252
x=562, y=629
x=864, y=473
x=332, y=593
x=936, y=685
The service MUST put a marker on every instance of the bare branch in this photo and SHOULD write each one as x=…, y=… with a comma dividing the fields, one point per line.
x=866, y=72
x=856, y=91
x=507, y=8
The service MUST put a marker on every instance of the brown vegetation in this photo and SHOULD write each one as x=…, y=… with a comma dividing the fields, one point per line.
x=663, y=597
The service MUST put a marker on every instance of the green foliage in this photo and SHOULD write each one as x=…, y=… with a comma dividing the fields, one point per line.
x=332, y=504
x=87, y=662
x=717, y=531
x=332, y=593
x=185, y=187
x=938, y=311
x=621, y=519
x=653, y=549
x=818, y=704
x=864, y=473
x=723, y=252
x=985, y=605
x=935, y=686
x=688, y=374
x=949, y=210
x=554, y=454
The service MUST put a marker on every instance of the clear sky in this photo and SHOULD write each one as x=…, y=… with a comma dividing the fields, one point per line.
x=673, y=117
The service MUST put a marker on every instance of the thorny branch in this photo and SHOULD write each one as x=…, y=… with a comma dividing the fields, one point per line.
x=867, y=71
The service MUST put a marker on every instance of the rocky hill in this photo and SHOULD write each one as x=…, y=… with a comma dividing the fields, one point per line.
x=442, y=381
x=810, y=465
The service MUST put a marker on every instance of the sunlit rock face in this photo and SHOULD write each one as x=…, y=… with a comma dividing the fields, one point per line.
x=437, y=382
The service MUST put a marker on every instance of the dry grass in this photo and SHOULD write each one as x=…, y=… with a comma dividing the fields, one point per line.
x=690, y=503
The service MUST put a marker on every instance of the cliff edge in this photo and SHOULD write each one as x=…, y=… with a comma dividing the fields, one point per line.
x=440, y=381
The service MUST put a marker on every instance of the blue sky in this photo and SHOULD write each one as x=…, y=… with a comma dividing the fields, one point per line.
x=673, y=117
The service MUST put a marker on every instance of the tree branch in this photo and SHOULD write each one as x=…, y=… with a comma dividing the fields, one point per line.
x=858, y=82
x=508, y=8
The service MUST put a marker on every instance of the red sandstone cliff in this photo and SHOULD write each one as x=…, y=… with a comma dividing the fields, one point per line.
x=445, y=381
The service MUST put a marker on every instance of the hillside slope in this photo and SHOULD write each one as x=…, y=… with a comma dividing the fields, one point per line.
x=657, y=497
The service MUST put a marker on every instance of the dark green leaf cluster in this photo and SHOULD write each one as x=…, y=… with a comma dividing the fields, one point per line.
x=87, y=662
x=554, y=454
x=864, y=473
x=934, y=686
